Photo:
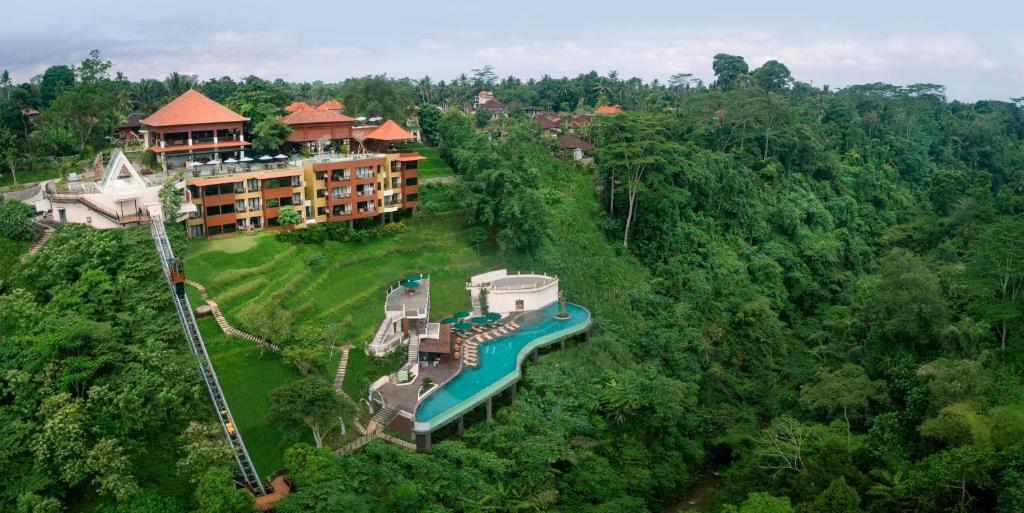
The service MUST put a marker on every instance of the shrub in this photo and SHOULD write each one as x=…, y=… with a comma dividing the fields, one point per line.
x=16, y=220
x=340, y=232
x=316, y=259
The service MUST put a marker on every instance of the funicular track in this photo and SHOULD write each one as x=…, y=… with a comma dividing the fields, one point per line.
x=198, y=348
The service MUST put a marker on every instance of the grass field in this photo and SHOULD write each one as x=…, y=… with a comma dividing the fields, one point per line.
x=433, y=167
x=345, y=290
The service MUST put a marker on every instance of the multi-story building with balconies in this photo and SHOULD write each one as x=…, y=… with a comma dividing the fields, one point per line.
x=194, y=128
x=243, y=199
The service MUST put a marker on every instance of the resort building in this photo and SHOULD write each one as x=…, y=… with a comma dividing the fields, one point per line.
x=310, y=127
x=575, y=146
x=193, y=128
x=115, y=196
x=467, y=359
x=608, y=109
x=331, y=105
x=297, y=106
x=231, y=197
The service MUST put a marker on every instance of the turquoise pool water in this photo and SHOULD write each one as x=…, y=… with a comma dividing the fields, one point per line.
x=499, y=361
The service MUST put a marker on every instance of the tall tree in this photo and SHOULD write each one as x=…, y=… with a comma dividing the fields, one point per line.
x=994, y=276
x=311, y=403
x=727, y=69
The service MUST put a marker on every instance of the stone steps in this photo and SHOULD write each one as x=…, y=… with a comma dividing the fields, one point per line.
x=339, y=378
x=227, y=327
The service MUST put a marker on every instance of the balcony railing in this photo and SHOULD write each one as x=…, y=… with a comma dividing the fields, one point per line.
x=365, y=210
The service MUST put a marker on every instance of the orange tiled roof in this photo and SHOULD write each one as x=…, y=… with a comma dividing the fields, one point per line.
x=390, y=131
x=192, y=108
x=608, y=109
x=330, y=105
x=315, y=116
x=297, y=106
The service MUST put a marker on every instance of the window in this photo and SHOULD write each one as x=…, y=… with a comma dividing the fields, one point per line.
x=220, y=209
x=224, y=188
x=256, y=222
x=272, y=221
x=255, y=203
x=411, y=165
x=339, y=175
x=341, y=192
x=284, y=202
x=321, y=193
x=320, y=175
x=364, y=172
x=215, y=230
x=229, y=228
x=273, y=203
x=296, y=181
x=199, y=211
x=296, y=198
x=240, y=224
x=239, y=205
x=341, y=210
x=273, y=183
x=197, y=230
x=519, y=304
x=364, y=190
x=412, y=197
x=321, y=211
x=253, y=184
x=411, y=181
x=396, y=182
x=239, y=188
x=396, y=165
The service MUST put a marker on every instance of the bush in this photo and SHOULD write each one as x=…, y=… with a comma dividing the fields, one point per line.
x=16, y=220
x=340, y=232
x=316, y=259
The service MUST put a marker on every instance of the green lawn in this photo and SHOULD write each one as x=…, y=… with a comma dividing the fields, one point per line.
x=346, y=290
x=432, y=167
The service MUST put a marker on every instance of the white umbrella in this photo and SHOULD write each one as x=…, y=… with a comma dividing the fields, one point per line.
x=375, y=119
x=361, y=118
x=266, y=157
x=230, y=161
x=245, y=159
x=280, y=156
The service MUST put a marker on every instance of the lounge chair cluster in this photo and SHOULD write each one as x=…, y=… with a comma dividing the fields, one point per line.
x=471, y=353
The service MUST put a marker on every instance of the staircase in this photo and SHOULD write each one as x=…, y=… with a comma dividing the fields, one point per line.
x=477, y=307
x=339, y=378
x=384, y=416
x=45, y=232
x=228, y=328
x=414, y=351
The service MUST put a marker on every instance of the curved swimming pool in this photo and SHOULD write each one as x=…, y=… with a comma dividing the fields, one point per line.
x=500, y=362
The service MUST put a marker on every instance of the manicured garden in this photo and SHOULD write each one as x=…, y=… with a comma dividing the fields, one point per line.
x=337, y=285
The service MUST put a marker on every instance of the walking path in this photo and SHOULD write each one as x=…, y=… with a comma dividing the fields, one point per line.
x=228, y=328
x=339, y=378
x=45, y=232
x=439, y=179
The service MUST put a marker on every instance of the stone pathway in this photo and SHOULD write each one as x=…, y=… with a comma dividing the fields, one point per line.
x=439, y=180
x=228, y=328
x=46, y=233
x=339, y=378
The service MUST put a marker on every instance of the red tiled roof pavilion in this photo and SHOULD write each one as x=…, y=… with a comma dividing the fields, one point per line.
x=192, y=108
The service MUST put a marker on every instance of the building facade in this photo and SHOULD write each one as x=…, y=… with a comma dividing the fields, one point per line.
x=350, y=187
x=243, y=200
x=193, y=128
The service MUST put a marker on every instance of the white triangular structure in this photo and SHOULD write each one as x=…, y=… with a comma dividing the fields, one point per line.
x=120, y=179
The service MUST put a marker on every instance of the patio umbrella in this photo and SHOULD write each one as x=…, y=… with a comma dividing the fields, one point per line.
x=449, y=320
x=460, y=315
x=492, y=316
x=230, y=161
x=479, y=320
x=280, y=156
x=245, y=159
x=413, y=277
x=463, y=326
x=266, y=157
x=411, y=284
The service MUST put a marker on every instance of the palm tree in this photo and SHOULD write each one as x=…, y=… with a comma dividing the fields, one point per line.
x=147, y=95
x=177, y=83
x=5, y=82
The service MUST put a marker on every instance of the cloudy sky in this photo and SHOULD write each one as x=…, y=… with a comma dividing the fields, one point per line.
x=976, y=48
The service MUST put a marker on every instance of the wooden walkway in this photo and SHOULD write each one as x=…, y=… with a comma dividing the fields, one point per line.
x=280, y=487
x=228, y=328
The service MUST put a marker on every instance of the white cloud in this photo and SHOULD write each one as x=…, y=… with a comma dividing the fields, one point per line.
x=431, y=45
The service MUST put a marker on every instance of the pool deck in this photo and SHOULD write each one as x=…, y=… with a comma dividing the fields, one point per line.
x=404, y=397
x=422, y=430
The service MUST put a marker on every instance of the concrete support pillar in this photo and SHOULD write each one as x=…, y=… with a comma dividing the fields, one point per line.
x=462, y=424
x=561, y=344
x=422, y=442
x=489, y=408
x=535, y=355
x=190, y=138
x=512, y=392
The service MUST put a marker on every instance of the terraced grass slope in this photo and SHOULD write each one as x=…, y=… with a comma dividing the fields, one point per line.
x=345, y=289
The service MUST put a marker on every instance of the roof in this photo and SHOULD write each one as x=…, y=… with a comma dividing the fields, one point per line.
x=410, y=157
x=608, y=109
x=571, y=142
x=193, y=108
x=29, y=111
x=330, y=105
x=546, y=124
x=301, y=117
x=297, y=106
x=390, y=131
x=132, y=121
x=492, y=105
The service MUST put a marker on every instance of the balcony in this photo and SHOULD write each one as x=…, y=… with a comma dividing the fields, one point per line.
x=366, y=210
